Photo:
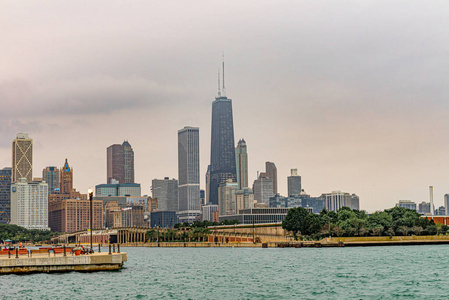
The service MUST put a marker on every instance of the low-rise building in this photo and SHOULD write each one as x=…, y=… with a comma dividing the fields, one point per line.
x=208, y=212
x=258, y=215
x=163, y=219
x=315, y=204
x=118, y=190
x=113, y=215
x=133, y=216
x=406, y=204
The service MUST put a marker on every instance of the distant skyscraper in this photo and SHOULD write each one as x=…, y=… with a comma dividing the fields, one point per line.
x=52, y=177
x=128, y=166
x=188, y=174
x=166, y=192
x=241, y=162
x=424, y=208
x=29, y=204
x=208, y=211
x=244, y=199
x=263, y=189
x=272, y=173
x=66, y=178
x=446, y=203
x=22, y=157
x=226, y=198
x=203, y=197
x=222, y=154
x=406, y=204
x=355, y=202
x=118, y=190
x=294, y=183
x=120, y=163
x=338, y=199
x=5, y=195
x=208, y=185
x=115, y=163
x=441, y=211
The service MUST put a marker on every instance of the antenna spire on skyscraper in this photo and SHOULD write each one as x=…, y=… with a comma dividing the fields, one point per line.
x=224, y=89
x=219, y=83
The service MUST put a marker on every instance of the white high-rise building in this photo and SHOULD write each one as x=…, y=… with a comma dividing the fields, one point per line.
x=241, y=163
x=338, y=199
x=189, y=200
x=294, y=183
x=263, y=189
x=244, y=199
x=208, y=211
x=29, y=204
x=166, y=192
x=226, y=198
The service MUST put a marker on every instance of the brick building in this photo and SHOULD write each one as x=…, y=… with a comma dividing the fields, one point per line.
x=70, y=215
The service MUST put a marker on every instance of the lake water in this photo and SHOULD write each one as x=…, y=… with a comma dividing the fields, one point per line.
x=399, y=272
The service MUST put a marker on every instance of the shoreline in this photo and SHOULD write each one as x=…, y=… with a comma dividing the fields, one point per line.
x=327, y=242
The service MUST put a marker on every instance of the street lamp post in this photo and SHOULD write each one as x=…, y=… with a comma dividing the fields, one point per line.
x=91, y=194
x=254, y=232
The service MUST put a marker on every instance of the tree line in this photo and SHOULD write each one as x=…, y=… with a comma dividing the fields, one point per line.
x=348, y=223
x=20, y=234
x=185, y=232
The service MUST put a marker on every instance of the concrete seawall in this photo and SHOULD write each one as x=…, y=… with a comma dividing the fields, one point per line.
x=333, y=242
x=49, y=264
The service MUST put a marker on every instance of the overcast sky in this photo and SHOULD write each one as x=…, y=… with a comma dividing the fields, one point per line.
x=354, y=94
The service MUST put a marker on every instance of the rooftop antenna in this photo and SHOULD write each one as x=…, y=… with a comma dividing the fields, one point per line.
x=219, y=90
x=224, y=89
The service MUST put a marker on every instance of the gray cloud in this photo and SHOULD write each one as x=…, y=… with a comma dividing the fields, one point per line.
x=83, y=96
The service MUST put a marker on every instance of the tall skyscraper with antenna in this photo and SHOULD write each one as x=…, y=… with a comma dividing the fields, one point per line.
x=222, y=152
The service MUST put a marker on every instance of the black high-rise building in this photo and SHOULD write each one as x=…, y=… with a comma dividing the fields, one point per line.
x=5, y=195
x=222, y=152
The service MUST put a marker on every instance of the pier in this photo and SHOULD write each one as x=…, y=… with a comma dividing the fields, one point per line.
x=37, y=261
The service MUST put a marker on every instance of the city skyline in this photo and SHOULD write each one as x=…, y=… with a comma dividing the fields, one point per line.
x=356, y=101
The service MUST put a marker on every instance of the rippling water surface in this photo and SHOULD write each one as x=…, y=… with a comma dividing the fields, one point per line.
x=402, y=272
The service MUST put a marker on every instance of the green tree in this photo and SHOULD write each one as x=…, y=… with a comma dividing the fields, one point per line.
x=295, y=220
x=379, y=219
x=345, y=213
x=312, y=224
